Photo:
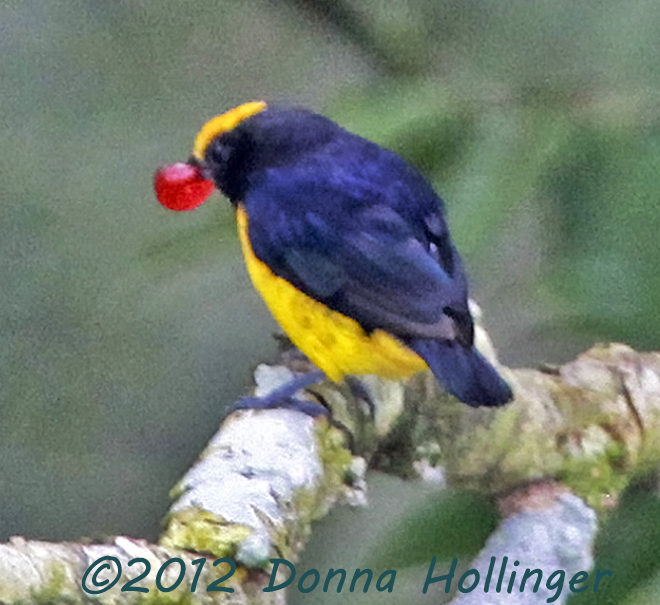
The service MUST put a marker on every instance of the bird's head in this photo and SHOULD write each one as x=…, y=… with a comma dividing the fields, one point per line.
x=185, y=186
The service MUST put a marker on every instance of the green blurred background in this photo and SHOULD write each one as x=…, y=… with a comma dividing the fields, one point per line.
x=125, y=329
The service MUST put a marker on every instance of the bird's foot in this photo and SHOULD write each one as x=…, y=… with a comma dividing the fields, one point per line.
x=284, y=397
x=361, y=393
x=310, y=408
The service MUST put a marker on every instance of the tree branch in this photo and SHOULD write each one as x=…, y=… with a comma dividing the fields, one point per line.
x=593, y=424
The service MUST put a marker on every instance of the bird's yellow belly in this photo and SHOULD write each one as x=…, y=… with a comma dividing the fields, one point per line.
x=335, y=343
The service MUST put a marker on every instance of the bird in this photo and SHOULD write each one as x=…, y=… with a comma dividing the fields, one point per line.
x=346, y=242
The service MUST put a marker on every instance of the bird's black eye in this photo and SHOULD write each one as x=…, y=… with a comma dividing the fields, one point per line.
x=224, y=163
x=219, y=152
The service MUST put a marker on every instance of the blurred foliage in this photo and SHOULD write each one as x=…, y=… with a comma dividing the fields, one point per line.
x=446, y=525
x=629, y=545
x=124, y=330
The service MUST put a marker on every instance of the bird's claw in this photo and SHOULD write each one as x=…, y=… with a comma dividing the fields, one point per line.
x=311, y=408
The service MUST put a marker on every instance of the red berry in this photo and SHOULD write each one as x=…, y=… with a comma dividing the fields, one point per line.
x=182, y=186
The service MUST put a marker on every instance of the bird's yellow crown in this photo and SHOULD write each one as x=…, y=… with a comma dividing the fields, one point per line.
x=224, y=123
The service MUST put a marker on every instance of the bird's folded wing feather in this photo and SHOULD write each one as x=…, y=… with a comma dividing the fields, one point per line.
x=384, y=263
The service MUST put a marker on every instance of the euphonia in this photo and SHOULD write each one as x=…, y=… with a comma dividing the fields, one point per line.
x=347, y=244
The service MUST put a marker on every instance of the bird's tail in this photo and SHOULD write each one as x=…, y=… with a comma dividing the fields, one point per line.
x=463, y=372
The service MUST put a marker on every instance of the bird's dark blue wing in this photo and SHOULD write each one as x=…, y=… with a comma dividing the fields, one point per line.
x=372, y=247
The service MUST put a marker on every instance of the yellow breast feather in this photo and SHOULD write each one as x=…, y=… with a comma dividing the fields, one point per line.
x=335, y=343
